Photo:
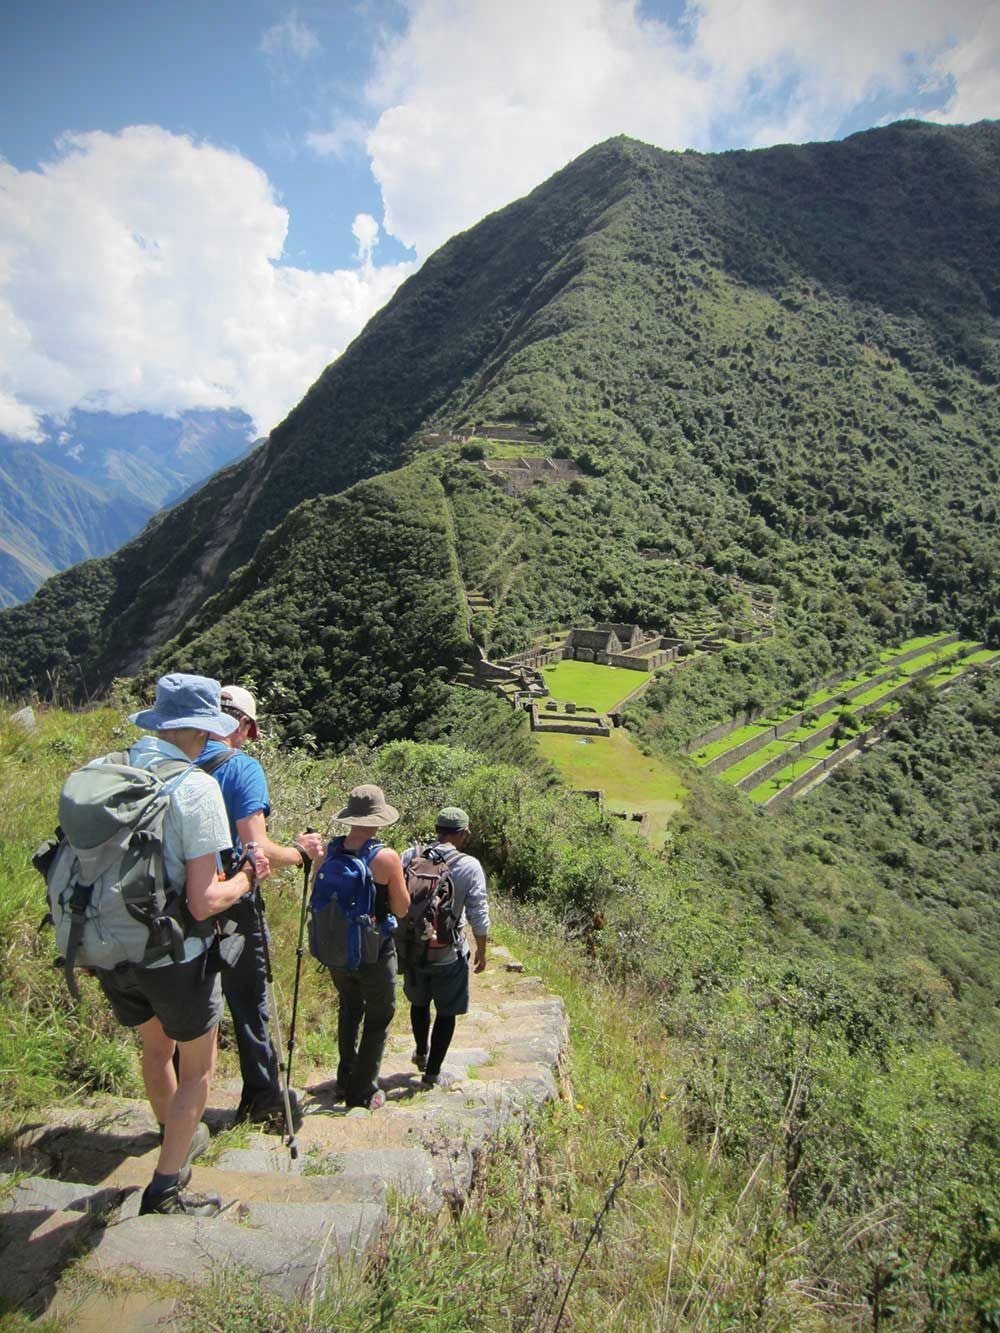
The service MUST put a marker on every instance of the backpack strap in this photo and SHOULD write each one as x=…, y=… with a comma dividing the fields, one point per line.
x=79, y=899
x=214, y=762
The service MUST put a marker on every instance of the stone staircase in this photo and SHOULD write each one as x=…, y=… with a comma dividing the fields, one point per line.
x=74, y=1175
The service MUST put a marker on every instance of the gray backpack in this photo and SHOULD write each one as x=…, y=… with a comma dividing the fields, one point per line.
x=109, y=899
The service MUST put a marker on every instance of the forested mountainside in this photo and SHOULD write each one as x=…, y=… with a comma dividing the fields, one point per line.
x=92, y=482
x=777, y=366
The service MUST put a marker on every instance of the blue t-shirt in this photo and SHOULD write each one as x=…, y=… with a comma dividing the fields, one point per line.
x=244, y=786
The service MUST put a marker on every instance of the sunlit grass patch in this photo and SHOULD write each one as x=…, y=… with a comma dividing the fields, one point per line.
x=597, y=687
x=615, y=765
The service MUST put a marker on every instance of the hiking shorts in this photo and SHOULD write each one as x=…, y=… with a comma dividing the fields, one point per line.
x=187, y=1002
x=447, y=984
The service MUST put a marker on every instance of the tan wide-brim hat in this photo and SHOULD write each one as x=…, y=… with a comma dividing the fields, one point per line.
x=368, y=807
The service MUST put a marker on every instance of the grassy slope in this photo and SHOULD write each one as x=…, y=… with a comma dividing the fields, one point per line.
x=630, y=780
x=756, y=958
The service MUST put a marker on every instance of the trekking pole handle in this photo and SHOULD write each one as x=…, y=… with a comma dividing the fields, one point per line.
x=247, y=865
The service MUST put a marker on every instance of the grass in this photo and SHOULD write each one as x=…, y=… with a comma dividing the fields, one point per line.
x=591, y=686
x=615, y=765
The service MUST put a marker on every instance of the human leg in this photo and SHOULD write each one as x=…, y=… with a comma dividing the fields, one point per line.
x=420, y=1025
x=448, y=986
x=245, y=990
x=184, y=1111
x=158, y=1076
x=350, y=1013
x=377, y=983
x=444, y=1030
x=416, y=991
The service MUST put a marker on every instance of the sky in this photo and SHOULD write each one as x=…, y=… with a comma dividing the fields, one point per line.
x=201, y=204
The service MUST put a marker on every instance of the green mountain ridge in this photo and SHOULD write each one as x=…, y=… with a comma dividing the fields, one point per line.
x=777, y=365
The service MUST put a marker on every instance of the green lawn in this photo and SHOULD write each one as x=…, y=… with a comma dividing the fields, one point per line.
x=590, y=686
x=629, y=779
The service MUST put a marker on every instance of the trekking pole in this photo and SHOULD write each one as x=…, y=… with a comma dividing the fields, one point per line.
x=272, y=1007
x=306, y=871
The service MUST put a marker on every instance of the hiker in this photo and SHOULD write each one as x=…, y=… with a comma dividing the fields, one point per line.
x=245, y=793
x=176, y=1005
x=358, y=892
x=436, y=959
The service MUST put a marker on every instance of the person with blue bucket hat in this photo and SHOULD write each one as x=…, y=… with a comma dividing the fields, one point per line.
x=175, y=1004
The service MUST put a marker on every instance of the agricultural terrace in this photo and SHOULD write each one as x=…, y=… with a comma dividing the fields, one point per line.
x=955, y=661
x=590, y=686
x=815, y=701
x=615, y=765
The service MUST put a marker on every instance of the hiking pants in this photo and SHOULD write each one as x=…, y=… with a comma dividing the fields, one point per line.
x=245, y=989
x=367, y=1005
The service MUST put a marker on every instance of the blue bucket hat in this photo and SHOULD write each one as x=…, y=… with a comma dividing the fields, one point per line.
x=186, y=701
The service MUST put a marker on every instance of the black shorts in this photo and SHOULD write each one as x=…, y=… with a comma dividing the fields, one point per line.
x=447, y=984
x=186, y=1001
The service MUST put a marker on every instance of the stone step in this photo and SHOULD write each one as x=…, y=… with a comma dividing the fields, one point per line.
x=292, y=1221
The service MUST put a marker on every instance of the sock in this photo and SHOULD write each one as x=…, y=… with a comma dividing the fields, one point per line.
x=444, y=1030
x=161, y=1183
x=420, y=1022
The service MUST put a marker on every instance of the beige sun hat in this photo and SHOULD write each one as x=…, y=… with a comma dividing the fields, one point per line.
x=241, y=701
x=367, y=807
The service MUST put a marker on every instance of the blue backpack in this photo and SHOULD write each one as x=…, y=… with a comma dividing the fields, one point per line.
x=343, y=930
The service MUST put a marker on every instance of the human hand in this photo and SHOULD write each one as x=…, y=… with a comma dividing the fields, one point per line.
x=312, y=844
x=480, y=961
x=261, y=865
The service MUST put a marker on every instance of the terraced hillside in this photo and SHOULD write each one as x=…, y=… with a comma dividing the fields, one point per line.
x=796, y=746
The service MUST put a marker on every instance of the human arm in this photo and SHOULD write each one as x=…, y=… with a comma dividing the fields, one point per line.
x=479, y=962
x=207, y=895
x=253, y=828
x=476, y=907
x=387, y=868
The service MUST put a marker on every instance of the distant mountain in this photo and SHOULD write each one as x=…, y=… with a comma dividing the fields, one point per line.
x=777, y=366
x=50, y=519
x=94, y=481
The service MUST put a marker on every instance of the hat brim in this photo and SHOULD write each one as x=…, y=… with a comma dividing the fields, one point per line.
x=219, y=724
x=391, y=816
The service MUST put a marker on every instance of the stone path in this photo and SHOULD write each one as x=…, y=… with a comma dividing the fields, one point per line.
x=72, y=1183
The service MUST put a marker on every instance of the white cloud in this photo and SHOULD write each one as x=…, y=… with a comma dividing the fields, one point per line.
x=972, y=69
x=138, y=271
x=347, y=136
x=475, y=102
x=365, y=230
x=291, y=39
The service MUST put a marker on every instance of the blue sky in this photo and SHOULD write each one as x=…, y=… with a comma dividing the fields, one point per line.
x=201, y=204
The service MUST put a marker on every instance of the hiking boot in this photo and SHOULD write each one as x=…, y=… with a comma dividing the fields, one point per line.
x=271, y=1114
x=268, y=1111
x=173, y=1202
x=374, y=1103
x=419, y=1058
x=442, y=1080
